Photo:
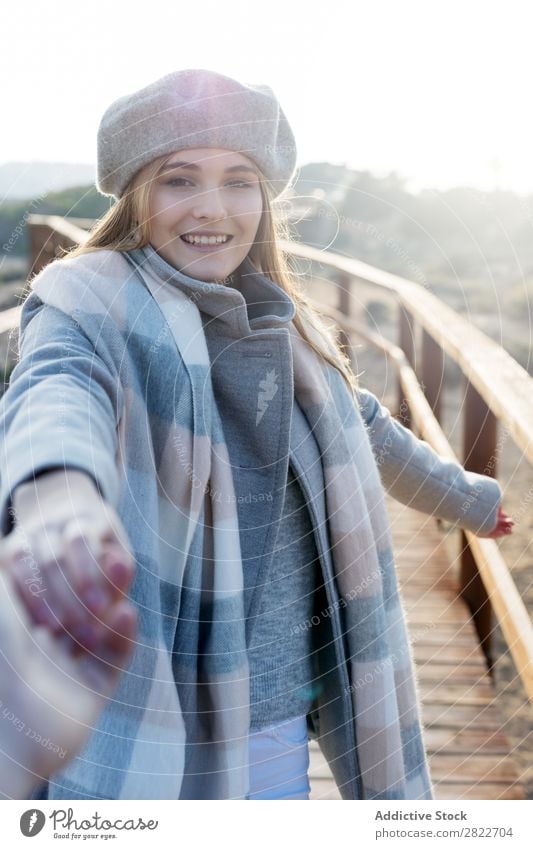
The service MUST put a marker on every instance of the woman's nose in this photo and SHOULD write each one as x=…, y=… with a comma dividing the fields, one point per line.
x=209, y=204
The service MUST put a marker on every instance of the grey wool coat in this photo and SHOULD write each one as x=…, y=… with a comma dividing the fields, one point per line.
x=94, y=388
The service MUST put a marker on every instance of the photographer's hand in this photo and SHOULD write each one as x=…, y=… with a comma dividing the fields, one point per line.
x=51, y=694
x=68, y=553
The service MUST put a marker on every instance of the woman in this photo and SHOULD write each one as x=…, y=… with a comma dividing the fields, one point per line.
x=200, y=402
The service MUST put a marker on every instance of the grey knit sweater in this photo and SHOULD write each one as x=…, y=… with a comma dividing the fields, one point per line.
x=280, y=652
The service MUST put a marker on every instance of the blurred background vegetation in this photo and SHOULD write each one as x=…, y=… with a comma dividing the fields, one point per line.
x=471, y=248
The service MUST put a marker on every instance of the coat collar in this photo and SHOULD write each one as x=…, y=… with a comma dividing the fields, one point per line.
x=257, y=303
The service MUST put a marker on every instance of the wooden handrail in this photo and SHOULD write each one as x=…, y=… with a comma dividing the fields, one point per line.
x=68, y=227
x=499, y=387
x=510, y=610
x=501, y=590
x=498, y=391
x=504, y=385
x=49, y=233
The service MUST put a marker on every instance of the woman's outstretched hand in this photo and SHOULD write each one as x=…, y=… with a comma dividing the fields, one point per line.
x=504, y=526
x=68, y=555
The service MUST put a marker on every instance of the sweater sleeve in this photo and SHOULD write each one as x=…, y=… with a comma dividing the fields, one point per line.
x=61, y=408
x=414, y=474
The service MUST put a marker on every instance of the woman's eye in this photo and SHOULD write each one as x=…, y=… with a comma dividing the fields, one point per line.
x=177, y=180
x=181, y=180
x=242, y=183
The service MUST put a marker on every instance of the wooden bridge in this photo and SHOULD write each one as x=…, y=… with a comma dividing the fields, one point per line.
x=469, y=753
x=451, y=598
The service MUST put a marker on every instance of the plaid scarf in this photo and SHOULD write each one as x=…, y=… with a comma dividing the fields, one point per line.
x=387, y=727
x=151, y=742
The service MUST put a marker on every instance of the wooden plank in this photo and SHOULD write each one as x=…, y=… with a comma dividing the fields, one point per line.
x=423, y=583
x=429, y=581
x=421, y=622
x=427, y=613
x=471, y=740
x=457, y=767
x=452, y=694
x=463, y=730
x=461, y=716
x=430, y=573
x=447, y=629
x=434, y=666
x=437, y=605
x=447, y=653
x=429, y=675
x=482, y=790
x=438, y=637
x=432, y=598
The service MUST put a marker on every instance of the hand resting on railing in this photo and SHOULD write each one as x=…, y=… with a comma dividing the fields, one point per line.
x=504, y=526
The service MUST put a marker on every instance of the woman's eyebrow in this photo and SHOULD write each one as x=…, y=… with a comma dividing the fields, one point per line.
x=193, y=167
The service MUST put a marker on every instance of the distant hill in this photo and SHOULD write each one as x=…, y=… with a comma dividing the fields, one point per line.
x=22, y=180
x=453, y=238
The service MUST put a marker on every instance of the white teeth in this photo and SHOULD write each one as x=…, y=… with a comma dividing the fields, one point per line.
x=204, y=240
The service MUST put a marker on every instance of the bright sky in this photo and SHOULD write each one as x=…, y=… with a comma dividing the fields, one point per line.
x=437, y=90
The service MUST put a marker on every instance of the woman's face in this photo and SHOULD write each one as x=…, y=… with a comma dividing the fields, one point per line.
x=207, y=192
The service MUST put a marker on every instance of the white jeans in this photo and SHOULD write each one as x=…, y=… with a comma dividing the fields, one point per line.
x=279, y=761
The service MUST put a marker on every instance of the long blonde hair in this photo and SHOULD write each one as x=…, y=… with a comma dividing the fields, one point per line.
x=126, y=225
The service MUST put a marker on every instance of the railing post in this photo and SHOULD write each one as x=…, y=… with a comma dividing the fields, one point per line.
x=46, y=242
x=343, y=293
x=432, y=372
x=407, y=344
x=479, y=446
x=41, y=247
x=343, y=305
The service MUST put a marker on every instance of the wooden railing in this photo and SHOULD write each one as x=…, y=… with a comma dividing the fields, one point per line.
x=49, y=233
x=498, y=392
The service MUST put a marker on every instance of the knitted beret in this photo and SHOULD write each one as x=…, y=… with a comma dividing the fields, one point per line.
x=188, y=109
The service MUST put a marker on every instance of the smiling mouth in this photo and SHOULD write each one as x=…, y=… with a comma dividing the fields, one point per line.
x=199, y=241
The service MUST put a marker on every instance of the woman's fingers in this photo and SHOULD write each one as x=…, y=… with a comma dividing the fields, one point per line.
x=105, y=544
x=48, y=583
x=101, y=668
x=505, y=523
x=118, y=567
x=100, y=575
x=100, y=582
x=504, y=526
x=69, y=577
x=65, y=606
x=28, y=568
x=82, y=553
x=118, y=638
x=70, y=589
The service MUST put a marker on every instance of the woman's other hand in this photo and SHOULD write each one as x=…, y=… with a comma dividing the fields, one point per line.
x=68, y=554
x=504, y=526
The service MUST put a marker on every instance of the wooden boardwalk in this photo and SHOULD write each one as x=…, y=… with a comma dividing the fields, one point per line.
x=469, y=753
